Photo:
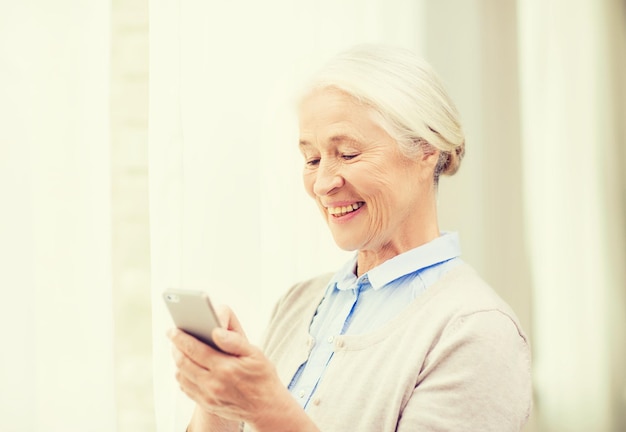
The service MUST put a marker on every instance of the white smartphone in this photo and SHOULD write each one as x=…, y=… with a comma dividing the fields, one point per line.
x=192, y=313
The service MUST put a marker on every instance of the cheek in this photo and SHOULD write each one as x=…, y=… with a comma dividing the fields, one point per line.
x=380, y=213
x=308, y=178
x=381, y=194
x=375, y=185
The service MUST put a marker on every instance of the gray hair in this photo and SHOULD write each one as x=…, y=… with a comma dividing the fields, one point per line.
x=408, y=99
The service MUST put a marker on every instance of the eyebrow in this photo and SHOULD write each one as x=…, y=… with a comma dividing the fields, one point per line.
x=342, y=138
x=334, y=139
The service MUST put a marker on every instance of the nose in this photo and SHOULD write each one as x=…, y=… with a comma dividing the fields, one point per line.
x=327, y=179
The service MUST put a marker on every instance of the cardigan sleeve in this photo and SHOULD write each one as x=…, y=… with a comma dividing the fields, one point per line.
x=476, y=378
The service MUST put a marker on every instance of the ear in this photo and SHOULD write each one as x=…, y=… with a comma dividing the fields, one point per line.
x=430, y=155
x=429, y=159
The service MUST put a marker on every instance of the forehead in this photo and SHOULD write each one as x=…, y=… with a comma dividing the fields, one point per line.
x=327, y=111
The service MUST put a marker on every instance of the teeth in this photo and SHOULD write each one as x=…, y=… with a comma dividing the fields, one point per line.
x=341, y=211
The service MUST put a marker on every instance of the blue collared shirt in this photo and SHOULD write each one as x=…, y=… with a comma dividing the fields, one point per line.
x=360, y=305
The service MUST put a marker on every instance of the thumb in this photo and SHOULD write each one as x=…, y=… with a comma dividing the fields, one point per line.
x=231, y=342
x=228, y=319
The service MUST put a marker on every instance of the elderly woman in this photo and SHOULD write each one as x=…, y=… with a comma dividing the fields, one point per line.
x=405, y=336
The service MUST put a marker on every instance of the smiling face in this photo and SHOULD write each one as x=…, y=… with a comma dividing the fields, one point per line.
x=373, y=198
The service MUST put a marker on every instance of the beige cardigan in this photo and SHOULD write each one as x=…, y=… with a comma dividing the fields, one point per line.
x=456, y=359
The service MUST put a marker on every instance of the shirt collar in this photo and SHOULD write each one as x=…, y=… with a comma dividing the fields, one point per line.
x=443, y=248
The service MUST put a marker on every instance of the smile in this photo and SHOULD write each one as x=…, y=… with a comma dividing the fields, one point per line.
x=344, y=210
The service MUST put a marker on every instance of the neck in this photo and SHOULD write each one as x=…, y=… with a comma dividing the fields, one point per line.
x=420, y=227
x=367, y=259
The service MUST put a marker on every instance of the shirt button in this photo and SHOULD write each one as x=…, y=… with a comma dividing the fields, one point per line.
x=301, y=394
x=316, y=401
x=339, y=343
x=330, y=339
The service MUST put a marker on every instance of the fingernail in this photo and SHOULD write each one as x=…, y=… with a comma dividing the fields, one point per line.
x=170, y=333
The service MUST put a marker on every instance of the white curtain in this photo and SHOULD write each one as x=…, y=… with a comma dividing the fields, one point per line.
x=573, y=93
x=56, y=365
x=228, y=211
x=538, y=201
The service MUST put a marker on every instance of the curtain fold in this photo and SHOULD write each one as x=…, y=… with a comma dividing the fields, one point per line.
x=574, y=195
x=56, y=366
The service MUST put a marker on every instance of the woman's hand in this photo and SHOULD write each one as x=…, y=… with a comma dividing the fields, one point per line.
x=239, y=384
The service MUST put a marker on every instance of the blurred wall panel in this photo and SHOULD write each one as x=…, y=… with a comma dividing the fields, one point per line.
x=474, y=46
x=56, y=367
x=129, y=221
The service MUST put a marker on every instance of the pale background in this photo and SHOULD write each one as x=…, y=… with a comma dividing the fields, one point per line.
x=146, y=144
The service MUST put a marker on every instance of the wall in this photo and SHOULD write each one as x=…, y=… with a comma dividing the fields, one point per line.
x=130, y=221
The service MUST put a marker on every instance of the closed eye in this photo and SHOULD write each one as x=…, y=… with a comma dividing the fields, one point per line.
x=312, y=162
x=348, y=156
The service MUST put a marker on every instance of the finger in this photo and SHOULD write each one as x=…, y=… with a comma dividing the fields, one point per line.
x=187, y=384
x=223, y=313
x=231, y=342
x=182, y=361
x=189, y=374
x=198, y=383
x=197, y=351
x=187, y=367
x=192, y=389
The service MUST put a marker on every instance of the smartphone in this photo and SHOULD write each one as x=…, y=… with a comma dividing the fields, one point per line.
x=192, y=313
